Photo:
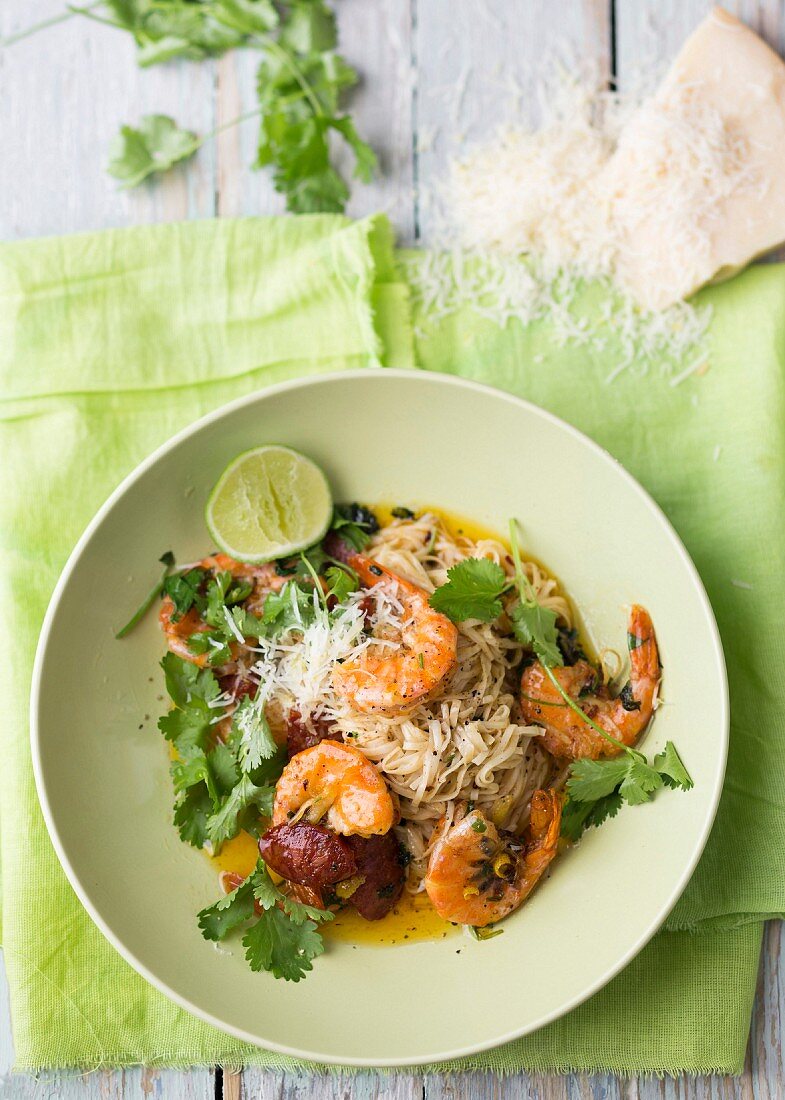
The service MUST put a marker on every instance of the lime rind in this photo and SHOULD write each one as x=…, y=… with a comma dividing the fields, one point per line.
x=269, y=502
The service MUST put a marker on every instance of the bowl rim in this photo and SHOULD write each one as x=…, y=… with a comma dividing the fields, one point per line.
x=194, y=428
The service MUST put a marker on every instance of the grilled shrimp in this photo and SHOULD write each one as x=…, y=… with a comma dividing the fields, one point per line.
x=264, y=579
x=625, y=717
x=395, y=680
x=477, y=875
x=336, y=784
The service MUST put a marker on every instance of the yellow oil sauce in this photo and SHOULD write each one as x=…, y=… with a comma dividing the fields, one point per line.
x=238, y=855
x=413, y=918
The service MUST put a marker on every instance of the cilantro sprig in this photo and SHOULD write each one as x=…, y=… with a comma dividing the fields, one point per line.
x=596, y=789
x=281, y=934
x=301, y=81
x=473, y=590
x=220, y=788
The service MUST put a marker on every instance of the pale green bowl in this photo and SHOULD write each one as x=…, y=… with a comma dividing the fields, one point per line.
x=104, y=786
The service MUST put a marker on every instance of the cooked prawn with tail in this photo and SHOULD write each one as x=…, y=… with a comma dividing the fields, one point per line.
x=393, y=679
x=478, y=875
x=625, y=717
x=334, y=784
x=262, y=579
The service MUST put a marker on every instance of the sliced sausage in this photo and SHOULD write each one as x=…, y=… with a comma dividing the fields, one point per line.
x=309, y=855
x=304, y=735
x=379, y=861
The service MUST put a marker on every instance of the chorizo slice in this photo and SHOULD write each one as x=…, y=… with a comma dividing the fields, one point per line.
x=308, y=855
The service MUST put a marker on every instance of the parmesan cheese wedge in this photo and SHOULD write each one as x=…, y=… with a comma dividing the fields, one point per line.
x=696, y=186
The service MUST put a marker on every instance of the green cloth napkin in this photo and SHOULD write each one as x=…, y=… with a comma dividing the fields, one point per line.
x=111, y=342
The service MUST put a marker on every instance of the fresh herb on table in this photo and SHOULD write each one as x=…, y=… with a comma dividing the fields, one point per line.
x=300, y=84
x=596, y=789
x=281, y=934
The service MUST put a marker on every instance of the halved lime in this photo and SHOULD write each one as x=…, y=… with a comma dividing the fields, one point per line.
x=269, y=503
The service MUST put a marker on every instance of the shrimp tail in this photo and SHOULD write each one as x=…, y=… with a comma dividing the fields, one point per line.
x=642, y=644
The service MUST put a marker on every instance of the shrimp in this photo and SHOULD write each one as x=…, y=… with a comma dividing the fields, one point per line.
x=177, y=631
x=334, y=783
x=392, y=680
x=477, y=875
x=625, y=717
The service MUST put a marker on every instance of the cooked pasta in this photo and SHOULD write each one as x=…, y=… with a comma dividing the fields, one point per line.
x=466, y=742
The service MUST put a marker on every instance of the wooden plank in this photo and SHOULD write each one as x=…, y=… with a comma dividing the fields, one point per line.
x=128, y=1084
x=376, y=40
x=649, y=33
x=768, y=1020
x=362, y=1086
x=65, y=93
x=477, y=65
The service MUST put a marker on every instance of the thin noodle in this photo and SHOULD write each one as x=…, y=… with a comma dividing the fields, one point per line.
x=467, y=742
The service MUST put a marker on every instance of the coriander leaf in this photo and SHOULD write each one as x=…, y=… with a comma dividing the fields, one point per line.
x=225, y=822
x=251, y=734
x=215, y=643
x=250, y=626
x=277, y=944
x=224, y=766
x=668, y=764
x=536, y=626
x=155, y=146
x=186, y=682
x=291, y=608
x=365, y=163
x=310, y=27
x=299, y=913
x=217, y=588
x=269, y=771
x=187, y=729
x=218, y=920
x=640, y=782
x=268, y=895
x=183, y=590
x=341, y=583
x=355, y=523
x=473, y=590
x=190, y=816
x=593, y=779
x=193, y=770
x=246, y=16
x=577, y=816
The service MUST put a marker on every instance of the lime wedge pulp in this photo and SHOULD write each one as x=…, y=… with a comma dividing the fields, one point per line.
x=269, y=503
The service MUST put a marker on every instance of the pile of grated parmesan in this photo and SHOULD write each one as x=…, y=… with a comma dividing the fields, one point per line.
x=561, y=196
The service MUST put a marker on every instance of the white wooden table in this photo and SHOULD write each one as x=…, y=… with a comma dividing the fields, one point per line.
x=434, y=70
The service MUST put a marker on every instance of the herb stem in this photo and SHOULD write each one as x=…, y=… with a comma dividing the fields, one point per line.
x=147, y=603
x=285, y=56
x=582, y=714
x=316, y=581
x=524, y=585
x=52, y=21
x=200, y=141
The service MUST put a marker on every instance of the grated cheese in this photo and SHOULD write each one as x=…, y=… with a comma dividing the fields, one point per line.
x=651, y=195
x=296, y=668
